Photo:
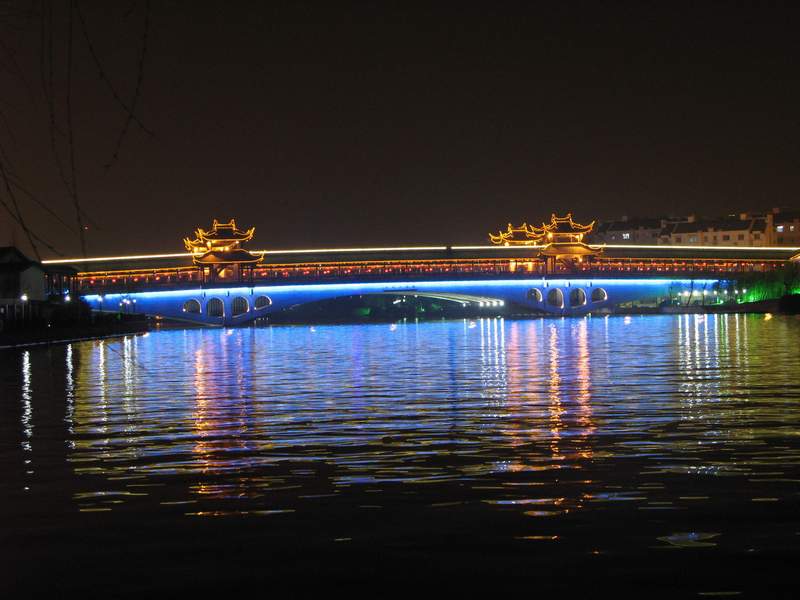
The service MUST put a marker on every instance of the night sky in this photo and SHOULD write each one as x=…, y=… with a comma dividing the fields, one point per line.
x=369, y=126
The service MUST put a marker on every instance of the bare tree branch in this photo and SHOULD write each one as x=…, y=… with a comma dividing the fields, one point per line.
x=137, y=91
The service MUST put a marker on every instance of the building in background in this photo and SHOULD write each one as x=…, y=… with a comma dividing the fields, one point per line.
x=20, y=276
x=26, y=286
x=629, y=231
x=743, y=231
x=774, y=228
x=786, y=228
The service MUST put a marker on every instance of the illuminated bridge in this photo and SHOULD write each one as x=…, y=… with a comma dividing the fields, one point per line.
x=219, y=283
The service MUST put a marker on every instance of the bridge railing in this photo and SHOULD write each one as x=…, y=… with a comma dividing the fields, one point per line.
x=299, y=274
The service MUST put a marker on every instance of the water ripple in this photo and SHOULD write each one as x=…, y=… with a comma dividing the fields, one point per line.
x=545, y=420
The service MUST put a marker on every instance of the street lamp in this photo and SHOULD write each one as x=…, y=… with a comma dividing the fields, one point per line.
x=24, y=299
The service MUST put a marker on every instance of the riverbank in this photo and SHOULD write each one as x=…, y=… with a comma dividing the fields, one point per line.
x=788, y=304
x=98, y=329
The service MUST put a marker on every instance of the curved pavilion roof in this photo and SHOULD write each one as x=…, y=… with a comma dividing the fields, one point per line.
x=527, y=235
x=563, y=225
x=522, y=235
x=220, y=234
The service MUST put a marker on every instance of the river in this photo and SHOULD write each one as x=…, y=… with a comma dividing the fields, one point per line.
x=638, y=451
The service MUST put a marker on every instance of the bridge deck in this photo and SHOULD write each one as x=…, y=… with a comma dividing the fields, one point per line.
x=431, y=253
x=174, y=271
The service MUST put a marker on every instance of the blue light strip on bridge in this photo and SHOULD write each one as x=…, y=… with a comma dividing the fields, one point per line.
x=392, y=286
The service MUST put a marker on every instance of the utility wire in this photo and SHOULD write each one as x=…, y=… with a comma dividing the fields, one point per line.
x=136, y=362
x=71, y=131
x=19, y=187
x=36, y=237
x=7, y=126
x=19, y=218
x=15, y=181
x=137, y=90
x=13, y=66
x=27, y=231
x=102, y=73
x=130, y=10
x=49, y=90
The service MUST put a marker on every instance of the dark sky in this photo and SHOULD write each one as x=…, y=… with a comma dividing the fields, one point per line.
x=370, y=125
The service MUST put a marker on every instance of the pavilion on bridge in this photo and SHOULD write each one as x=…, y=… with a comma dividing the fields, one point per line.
x=219, y=253
x=559, y=240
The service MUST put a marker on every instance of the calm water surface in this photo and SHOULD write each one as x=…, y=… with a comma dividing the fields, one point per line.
x=657, y=451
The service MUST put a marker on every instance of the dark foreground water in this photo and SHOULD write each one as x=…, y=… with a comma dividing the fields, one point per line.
x=657, y=452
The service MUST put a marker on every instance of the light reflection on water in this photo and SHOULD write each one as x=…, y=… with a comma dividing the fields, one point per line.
x=547, y=418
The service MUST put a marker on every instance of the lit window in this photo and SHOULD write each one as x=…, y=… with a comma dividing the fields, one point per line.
x=779, y=229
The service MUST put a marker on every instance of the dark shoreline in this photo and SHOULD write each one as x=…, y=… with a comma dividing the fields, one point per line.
x=65, y=335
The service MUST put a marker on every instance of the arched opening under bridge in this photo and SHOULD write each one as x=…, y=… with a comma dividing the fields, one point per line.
x=215, y=308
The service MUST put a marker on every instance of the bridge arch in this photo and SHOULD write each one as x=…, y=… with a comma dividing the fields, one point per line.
x=555, y=298
x=577, y=297
x=215, y=307
x=535, y=295
x=599, y=295
x=192, y=306
x=262, y=302
x=239, y=306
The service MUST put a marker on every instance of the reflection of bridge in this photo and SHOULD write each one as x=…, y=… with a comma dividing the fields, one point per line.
x=217, y=282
